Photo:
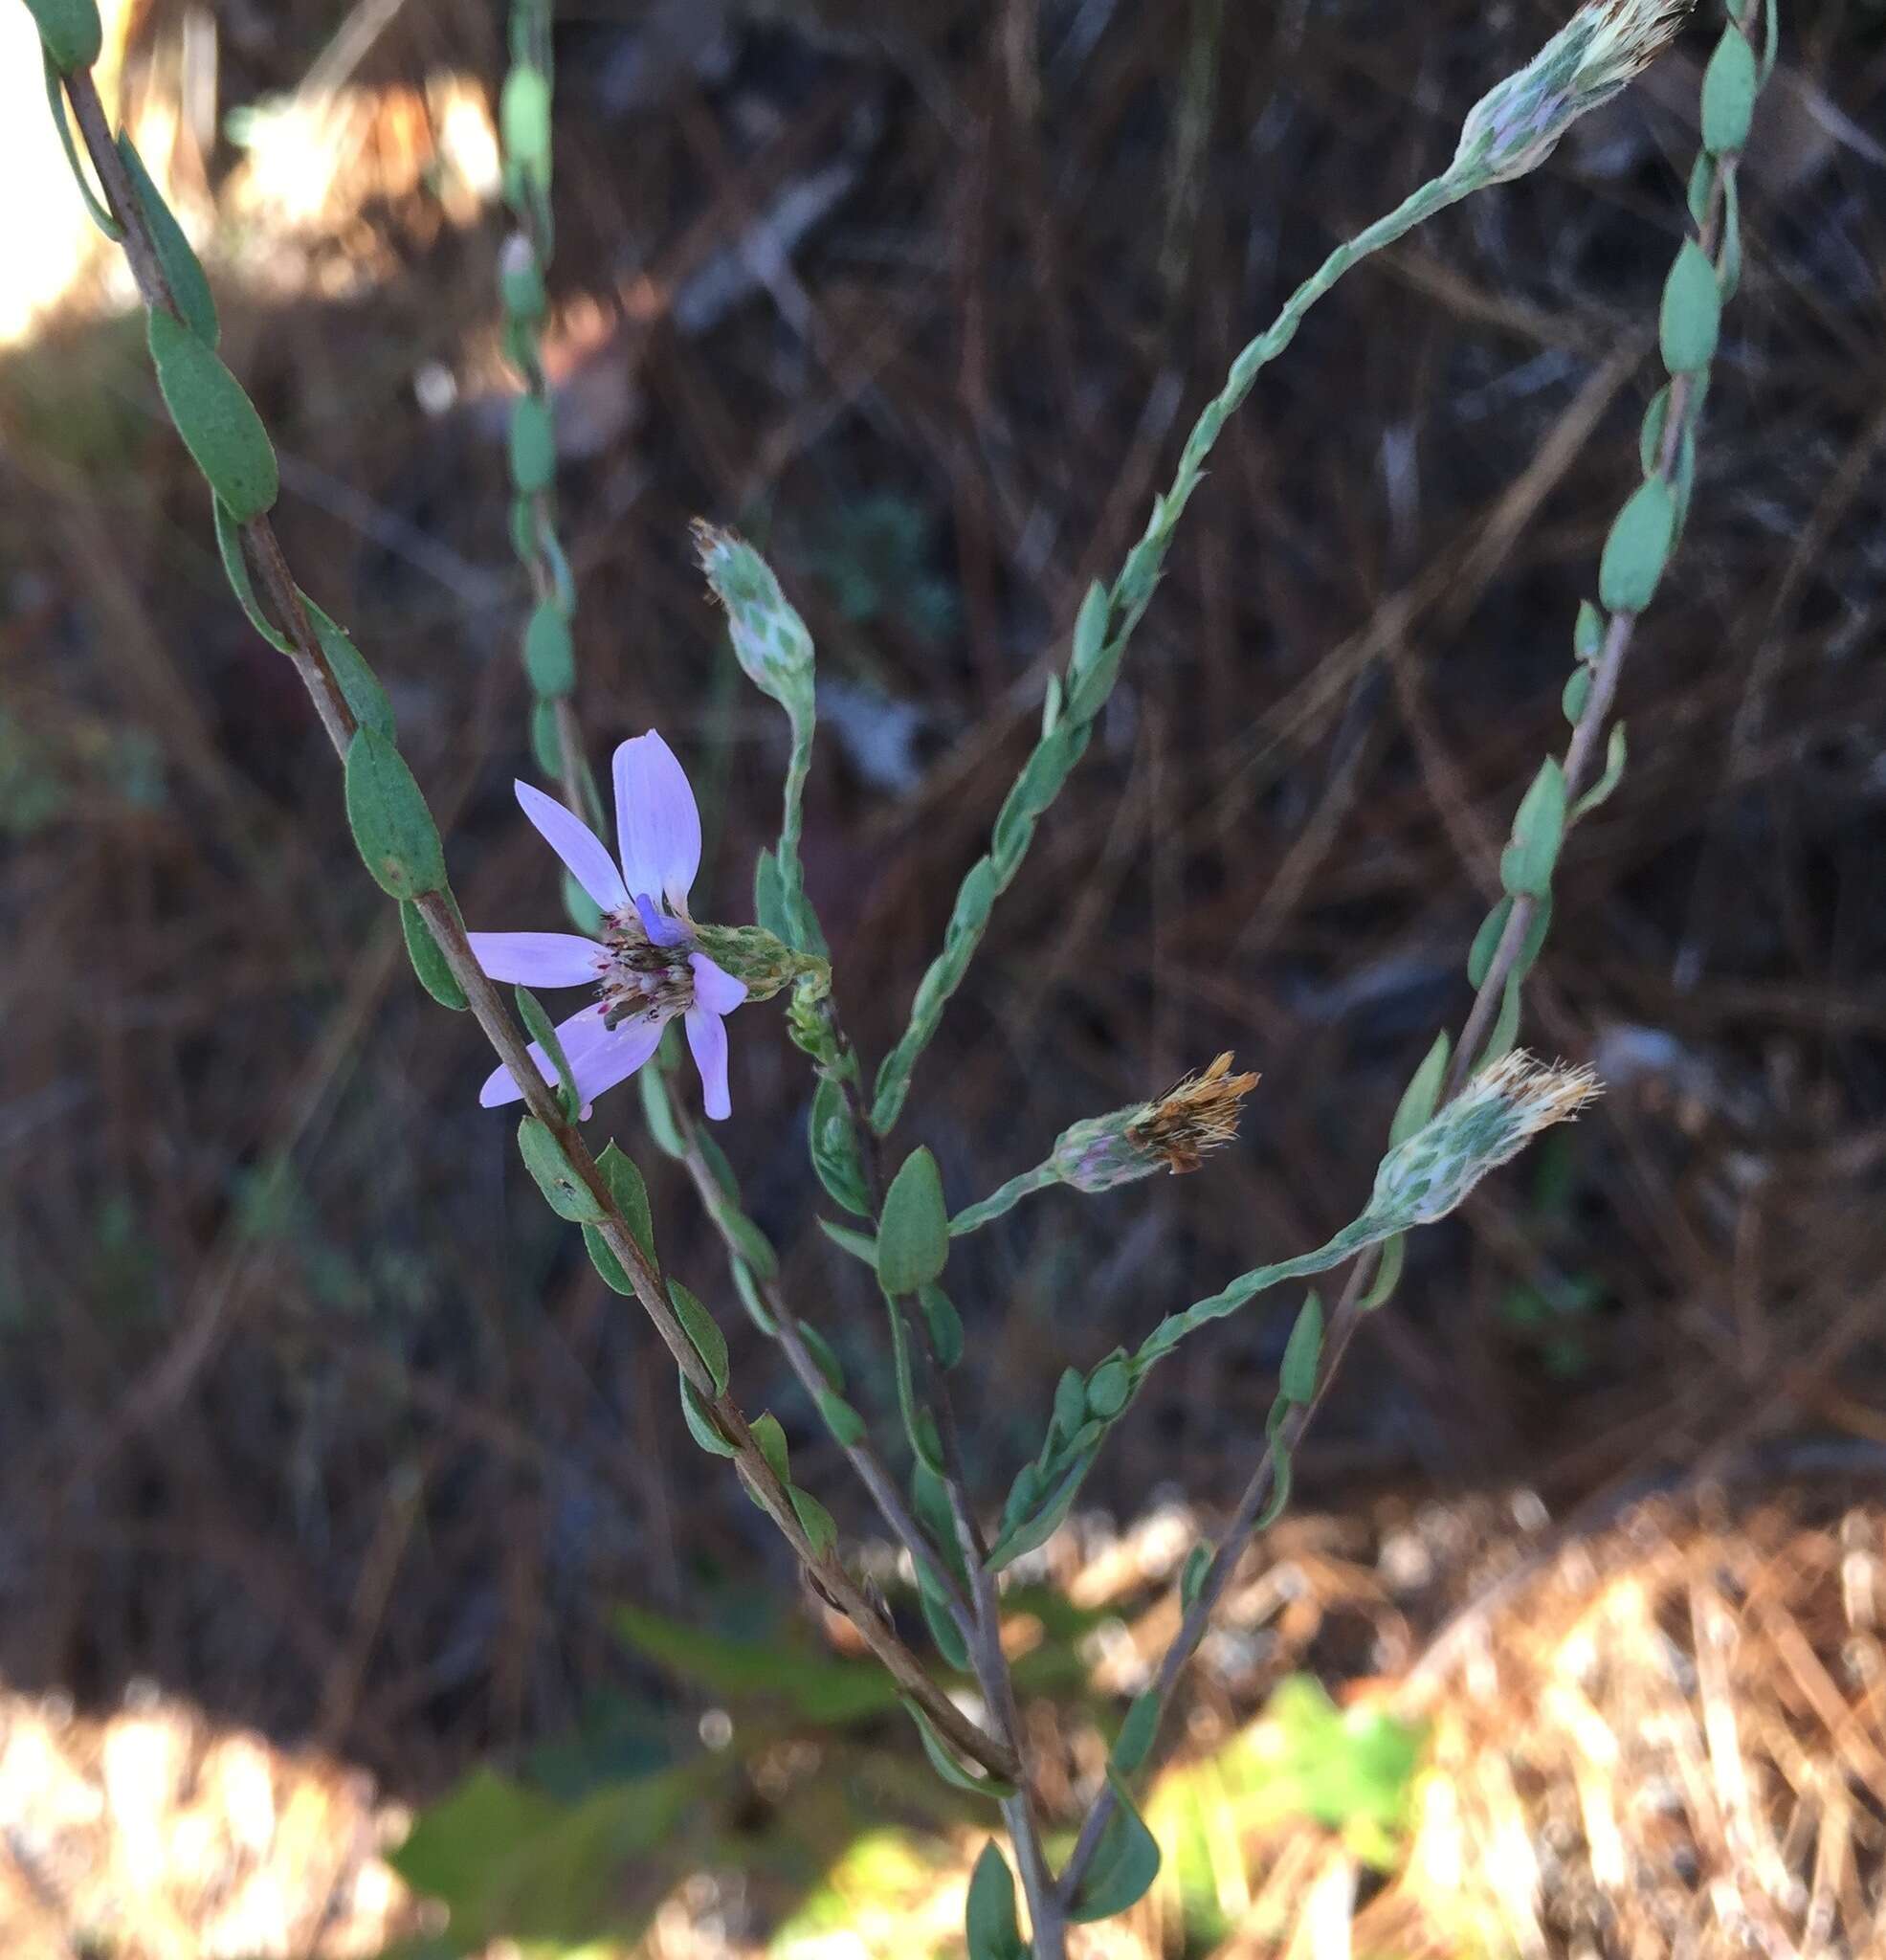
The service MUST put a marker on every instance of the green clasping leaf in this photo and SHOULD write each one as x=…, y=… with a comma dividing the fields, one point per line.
x=814, y=1520
x=945, y=1764
x=834, y=1148
x=217, y=420
x=70, y=30
x=397, y=840
x=428, y=963
x=360, y=687
x=1728, y=94
x=1302, y=1355
x=549, y=658
x=1070, y=1403
x=1136, y=1733
x=1600, y=791
x=1125, y=1863
x=913, y=1234
x=652, y=1086
x=183, y=272
x=1388, y=1275
x=533, y=446
x=1690, y=319
x=630, y=1195
x=704, y=1331
x=1109, y=1385
x=989, y=1918
x=564, y=1190
x=1538, y=828
x=1192, y=1575
x=771, y=1440
x=944, y=1322
x=1090, y=629
x=859, y=1245
x=524, y=120
x=944, y=1630
x=1424, y=1087
x=1637, y=549
x=235, y=569
x=701, y=1422
x=845, y=1424
x=820, y=1350
x=543, y=1030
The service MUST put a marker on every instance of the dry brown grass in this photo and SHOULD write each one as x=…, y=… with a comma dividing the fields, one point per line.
x=1667, y=1738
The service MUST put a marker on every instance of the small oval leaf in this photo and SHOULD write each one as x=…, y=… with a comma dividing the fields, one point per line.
x=428, y=963
x=217, y=420
x=1690, y=319
x=182, y=269
x=1728, y=92
x=1637, y=549
x=1125, y=1863
x=397, y=840
x=549, y=655
x=564, y=1190
x=990, y=1916
x=913, y=1234
x=704, y=1332
x=533, y=446
x=70, y=30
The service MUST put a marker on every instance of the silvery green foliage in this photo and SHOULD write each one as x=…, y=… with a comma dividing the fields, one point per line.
x=548, y=645
x=1449, y=1132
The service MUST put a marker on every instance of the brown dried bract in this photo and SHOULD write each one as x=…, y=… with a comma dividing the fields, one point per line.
x=1197, y=1115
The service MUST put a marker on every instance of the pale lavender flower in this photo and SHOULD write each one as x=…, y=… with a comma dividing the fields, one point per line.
x=648, y=966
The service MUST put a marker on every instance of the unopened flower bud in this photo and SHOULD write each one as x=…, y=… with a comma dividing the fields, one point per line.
x=1197, y=1115
x=1487, y=1122
x=769, y=640
x=1515, y=126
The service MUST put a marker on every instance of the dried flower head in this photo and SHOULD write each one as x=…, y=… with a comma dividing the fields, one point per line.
x=1515, y=126
x=1196, y=1115
x=1489, y=1122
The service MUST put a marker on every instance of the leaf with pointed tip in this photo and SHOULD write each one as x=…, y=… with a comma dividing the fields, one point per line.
x=1126, y=1862
x=429, y=963
x=217, y=420
x=945, y=1764
x=913, y=1233
x=990, y=1916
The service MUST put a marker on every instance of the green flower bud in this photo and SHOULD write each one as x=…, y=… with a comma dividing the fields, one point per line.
x=769, y=640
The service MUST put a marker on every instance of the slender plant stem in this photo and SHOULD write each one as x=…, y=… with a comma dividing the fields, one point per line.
x=1125, y=603
x=1349, y=1311
x=982, y=1633
x=492, y=1017
x=873, y=1473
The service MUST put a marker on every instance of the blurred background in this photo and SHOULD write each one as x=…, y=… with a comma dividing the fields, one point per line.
x=329, y=1464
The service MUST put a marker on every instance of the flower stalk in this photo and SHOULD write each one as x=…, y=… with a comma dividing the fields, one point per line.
x=1713, y=209
x=440, y=914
